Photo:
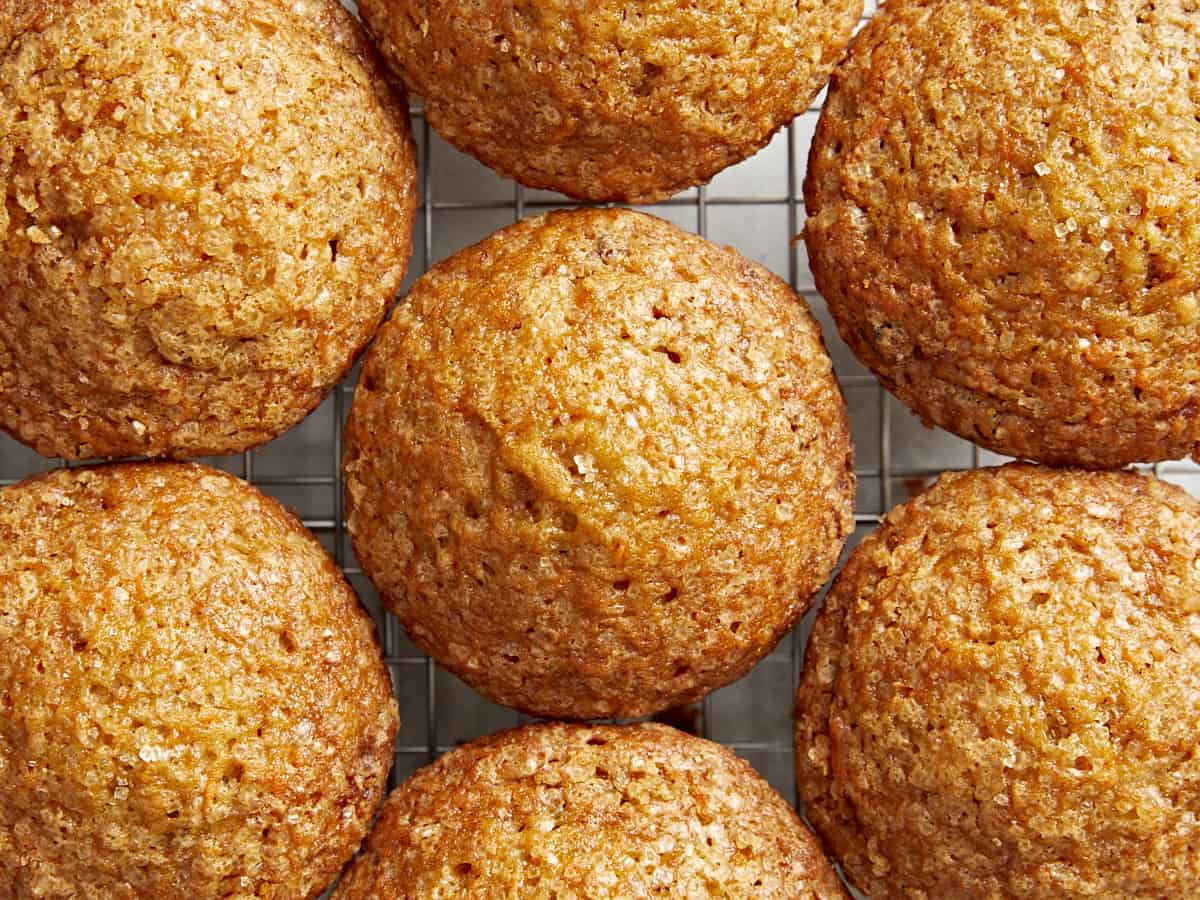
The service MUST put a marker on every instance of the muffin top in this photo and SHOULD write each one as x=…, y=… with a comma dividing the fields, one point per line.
x=194, y=704
x=208, y=208
x=1005, y=221
x=598, y=466
x=558, y=810
x=1002, y=694
x=606, y=100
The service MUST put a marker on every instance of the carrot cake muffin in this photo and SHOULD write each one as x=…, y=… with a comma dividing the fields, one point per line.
x=1002, y=694
x=607, y=100
x=207, y=207
x=1005, y=221
x=598, y=466
x=192, y=702
x=559, y=810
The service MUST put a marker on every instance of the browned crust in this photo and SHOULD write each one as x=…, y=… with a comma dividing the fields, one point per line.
x=194, y=703
x=1001, y=695
x=598, y=466
x=612, y=101
x=207, y=211
x=605, y=811
x=1004, y=221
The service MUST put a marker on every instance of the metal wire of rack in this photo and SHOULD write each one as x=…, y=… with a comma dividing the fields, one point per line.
x=748, y=207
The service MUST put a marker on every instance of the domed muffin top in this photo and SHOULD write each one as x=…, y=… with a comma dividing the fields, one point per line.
x=610, y=811
x=612, y=101
x=1001, y=695
x=194, y=703
x=208, y=207
x=1004, y=220
x=597, y=465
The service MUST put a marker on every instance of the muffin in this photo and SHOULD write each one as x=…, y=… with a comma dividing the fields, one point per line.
x=1001, y=695
x=192, y=702
x=1005, y=222
x=556, y=810
x=208, y=207
x=608, y=100
x=598, y=466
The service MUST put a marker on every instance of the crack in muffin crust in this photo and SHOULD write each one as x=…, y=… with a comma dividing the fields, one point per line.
x=598, y=466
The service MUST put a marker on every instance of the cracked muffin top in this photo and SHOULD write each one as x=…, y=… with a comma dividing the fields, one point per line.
x=207, y=207
x=598, y=466
x=606, y=100
x=192, y=702
x=557, y=810
x=1002, y=693
x=1005, y=222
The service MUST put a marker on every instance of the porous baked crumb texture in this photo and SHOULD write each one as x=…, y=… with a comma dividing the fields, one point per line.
x=192, y=702
x=607, y=100
x=598, y=466
x=1006, y=223
x=558, y=810
x=207, y=207
x=1002, y=694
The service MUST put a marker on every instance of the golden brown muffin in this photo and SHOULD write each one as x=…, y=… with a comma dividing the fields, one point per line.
x=192, y=702
x=1002, y=694
x=1006, y=225
x=557, y=810
x=207, y=208
x=598, y=466
x=607, y=100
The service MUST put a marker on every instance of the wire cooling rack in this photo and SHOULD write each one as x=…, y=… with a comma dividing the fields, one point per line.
x=755, y=207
